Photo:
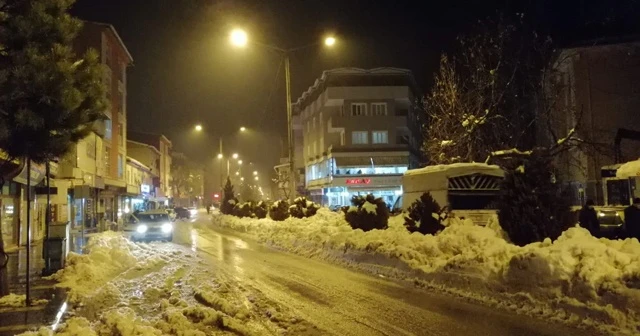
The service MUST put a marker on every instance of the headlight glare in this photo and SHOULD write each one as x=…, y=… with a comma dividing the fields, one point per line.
x=167, y=227
x=141, y=228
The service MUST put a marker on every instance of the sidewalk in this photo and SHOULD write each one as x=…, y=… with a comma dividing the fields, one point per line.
x=17, y=320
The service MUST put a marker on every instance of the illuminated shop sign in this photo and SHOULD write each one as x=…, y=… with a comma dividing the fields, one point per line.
x=358, y=181
x=145, y=188
x=368, y=181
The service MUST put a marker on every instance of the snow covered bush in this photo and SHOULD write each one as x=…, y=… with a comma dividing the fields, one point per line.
x=532, y=206
x=302, y=208
x=260, y=209
x=279, y=210
x=229, y=199
x=426, y=213
x=367, y=213
x=243, y=210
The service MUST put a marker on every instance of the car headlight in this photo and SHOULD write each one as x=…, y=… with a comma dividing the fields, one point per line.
x=167, y=227
x=193, y=212
x=141, y=228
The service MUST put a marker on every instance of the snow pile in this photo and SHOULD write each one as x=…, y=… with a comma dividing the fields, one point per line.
x=579, y=274
x=109, y=255
x=15, y=300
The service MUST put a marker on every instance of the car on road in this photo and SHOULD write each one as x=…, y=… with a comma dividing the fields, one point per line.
x=150, y=225
x=182, y=213
x=193, y=211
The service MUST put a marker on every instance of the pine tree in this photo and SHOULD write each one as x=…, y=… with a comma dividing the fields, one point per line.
x=229, y=199
x=49, y=97
x=532, y=205
x=426, y=212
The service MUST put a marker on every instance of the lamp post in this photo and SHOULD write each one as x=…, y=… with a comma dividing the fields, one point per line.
x=239, y=38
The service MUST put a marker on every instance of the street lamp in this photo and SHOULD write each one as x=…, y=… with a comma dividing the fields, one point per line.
x=235, y=155
x=237, y=173
x=239, y=162
x=329, y=41
x=198, y=128
x=242, y=129
x=256, y=178
x=220, y=156
x=255, y=172
x=242, y=179
x=240, y=38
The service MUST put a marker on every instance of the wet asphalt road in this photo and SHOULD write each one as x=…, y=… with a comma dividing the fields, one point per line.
x=340, y=301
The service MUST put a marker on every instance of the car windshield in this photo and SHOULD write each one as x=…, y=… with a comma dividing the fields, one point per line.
x=153, y=217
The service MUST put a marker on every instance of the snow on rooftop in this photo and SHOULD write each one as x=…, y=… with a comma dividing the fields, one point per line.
x=629, y=169
x=458, y=169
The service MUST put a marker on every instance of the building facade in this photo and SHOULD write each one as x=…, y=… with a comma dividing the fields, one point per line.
x=361, y=130
x=154, y=151
x=602, y=81
x=139, y=178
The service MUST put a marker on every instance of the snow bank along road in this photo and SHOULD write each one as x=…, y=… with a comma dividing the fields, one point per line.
x=212, y=283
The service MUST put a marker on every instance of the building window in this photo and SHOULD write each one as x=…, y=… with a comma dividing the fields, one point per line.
x=379, y=137
x=342, y=140
x=108, y=129
x=315, y=149
x=358, y=109
x=360, y=137
x=379, y=109
x=91, y=148
x=107, y=160
x=121, y=134
x=120, y=166
x=107, y=81
x=313, y=124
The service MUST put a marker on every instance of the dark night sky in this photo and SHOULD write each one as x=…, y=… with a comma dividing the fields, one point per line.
x=186, y=72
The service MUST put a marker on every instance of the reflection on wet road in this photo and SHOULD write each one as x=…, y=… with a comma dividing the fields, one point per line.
x=343, y=302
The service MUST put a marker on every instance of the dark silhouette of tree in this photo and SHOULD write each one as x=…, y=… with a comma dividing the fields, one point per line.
x=50, y=98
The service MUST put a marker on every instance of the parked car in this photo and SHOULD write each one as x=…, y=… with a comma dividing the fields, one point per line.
x=149, y=225
x=182, y=213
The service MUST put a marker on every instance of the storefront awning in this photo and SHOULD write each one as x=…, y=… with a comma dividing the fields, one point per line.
x=342, y=161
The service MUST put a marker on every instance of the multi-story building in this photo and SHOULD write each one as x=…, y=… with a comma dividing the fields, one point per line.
x=98, y=161
x=361, y=131
x=139, y=178
x=601, y=84
x=154, y=151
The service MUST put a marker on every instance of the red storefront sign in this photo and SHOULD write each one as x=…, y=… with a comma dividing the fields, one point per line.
x=358, y=181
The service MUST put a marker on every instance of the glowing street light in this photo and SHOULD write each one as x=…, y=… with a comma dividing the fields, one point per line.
x=235, y=155
x=242, y=179
x=239, y=162
x=237, y=173
x=242, y=129
x=198, y=128
x=220, y=156
x=255, y=172
x=256, y=178
x=330, y=41
x=238, y=38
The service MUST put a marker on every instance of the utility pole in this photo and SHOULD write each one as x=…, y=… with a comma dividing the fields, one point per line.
x=292, y=165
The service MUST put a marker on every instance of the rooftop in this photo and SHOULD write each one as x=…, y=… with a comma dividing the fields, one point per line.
x=385, y=73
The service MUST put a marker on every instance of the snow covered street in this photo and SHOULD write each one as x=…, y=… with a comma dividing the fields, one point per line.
x=213, y=283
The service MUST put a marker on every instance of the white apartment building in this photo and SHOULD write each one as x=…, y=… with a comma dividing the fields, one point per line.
x=361, y=132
